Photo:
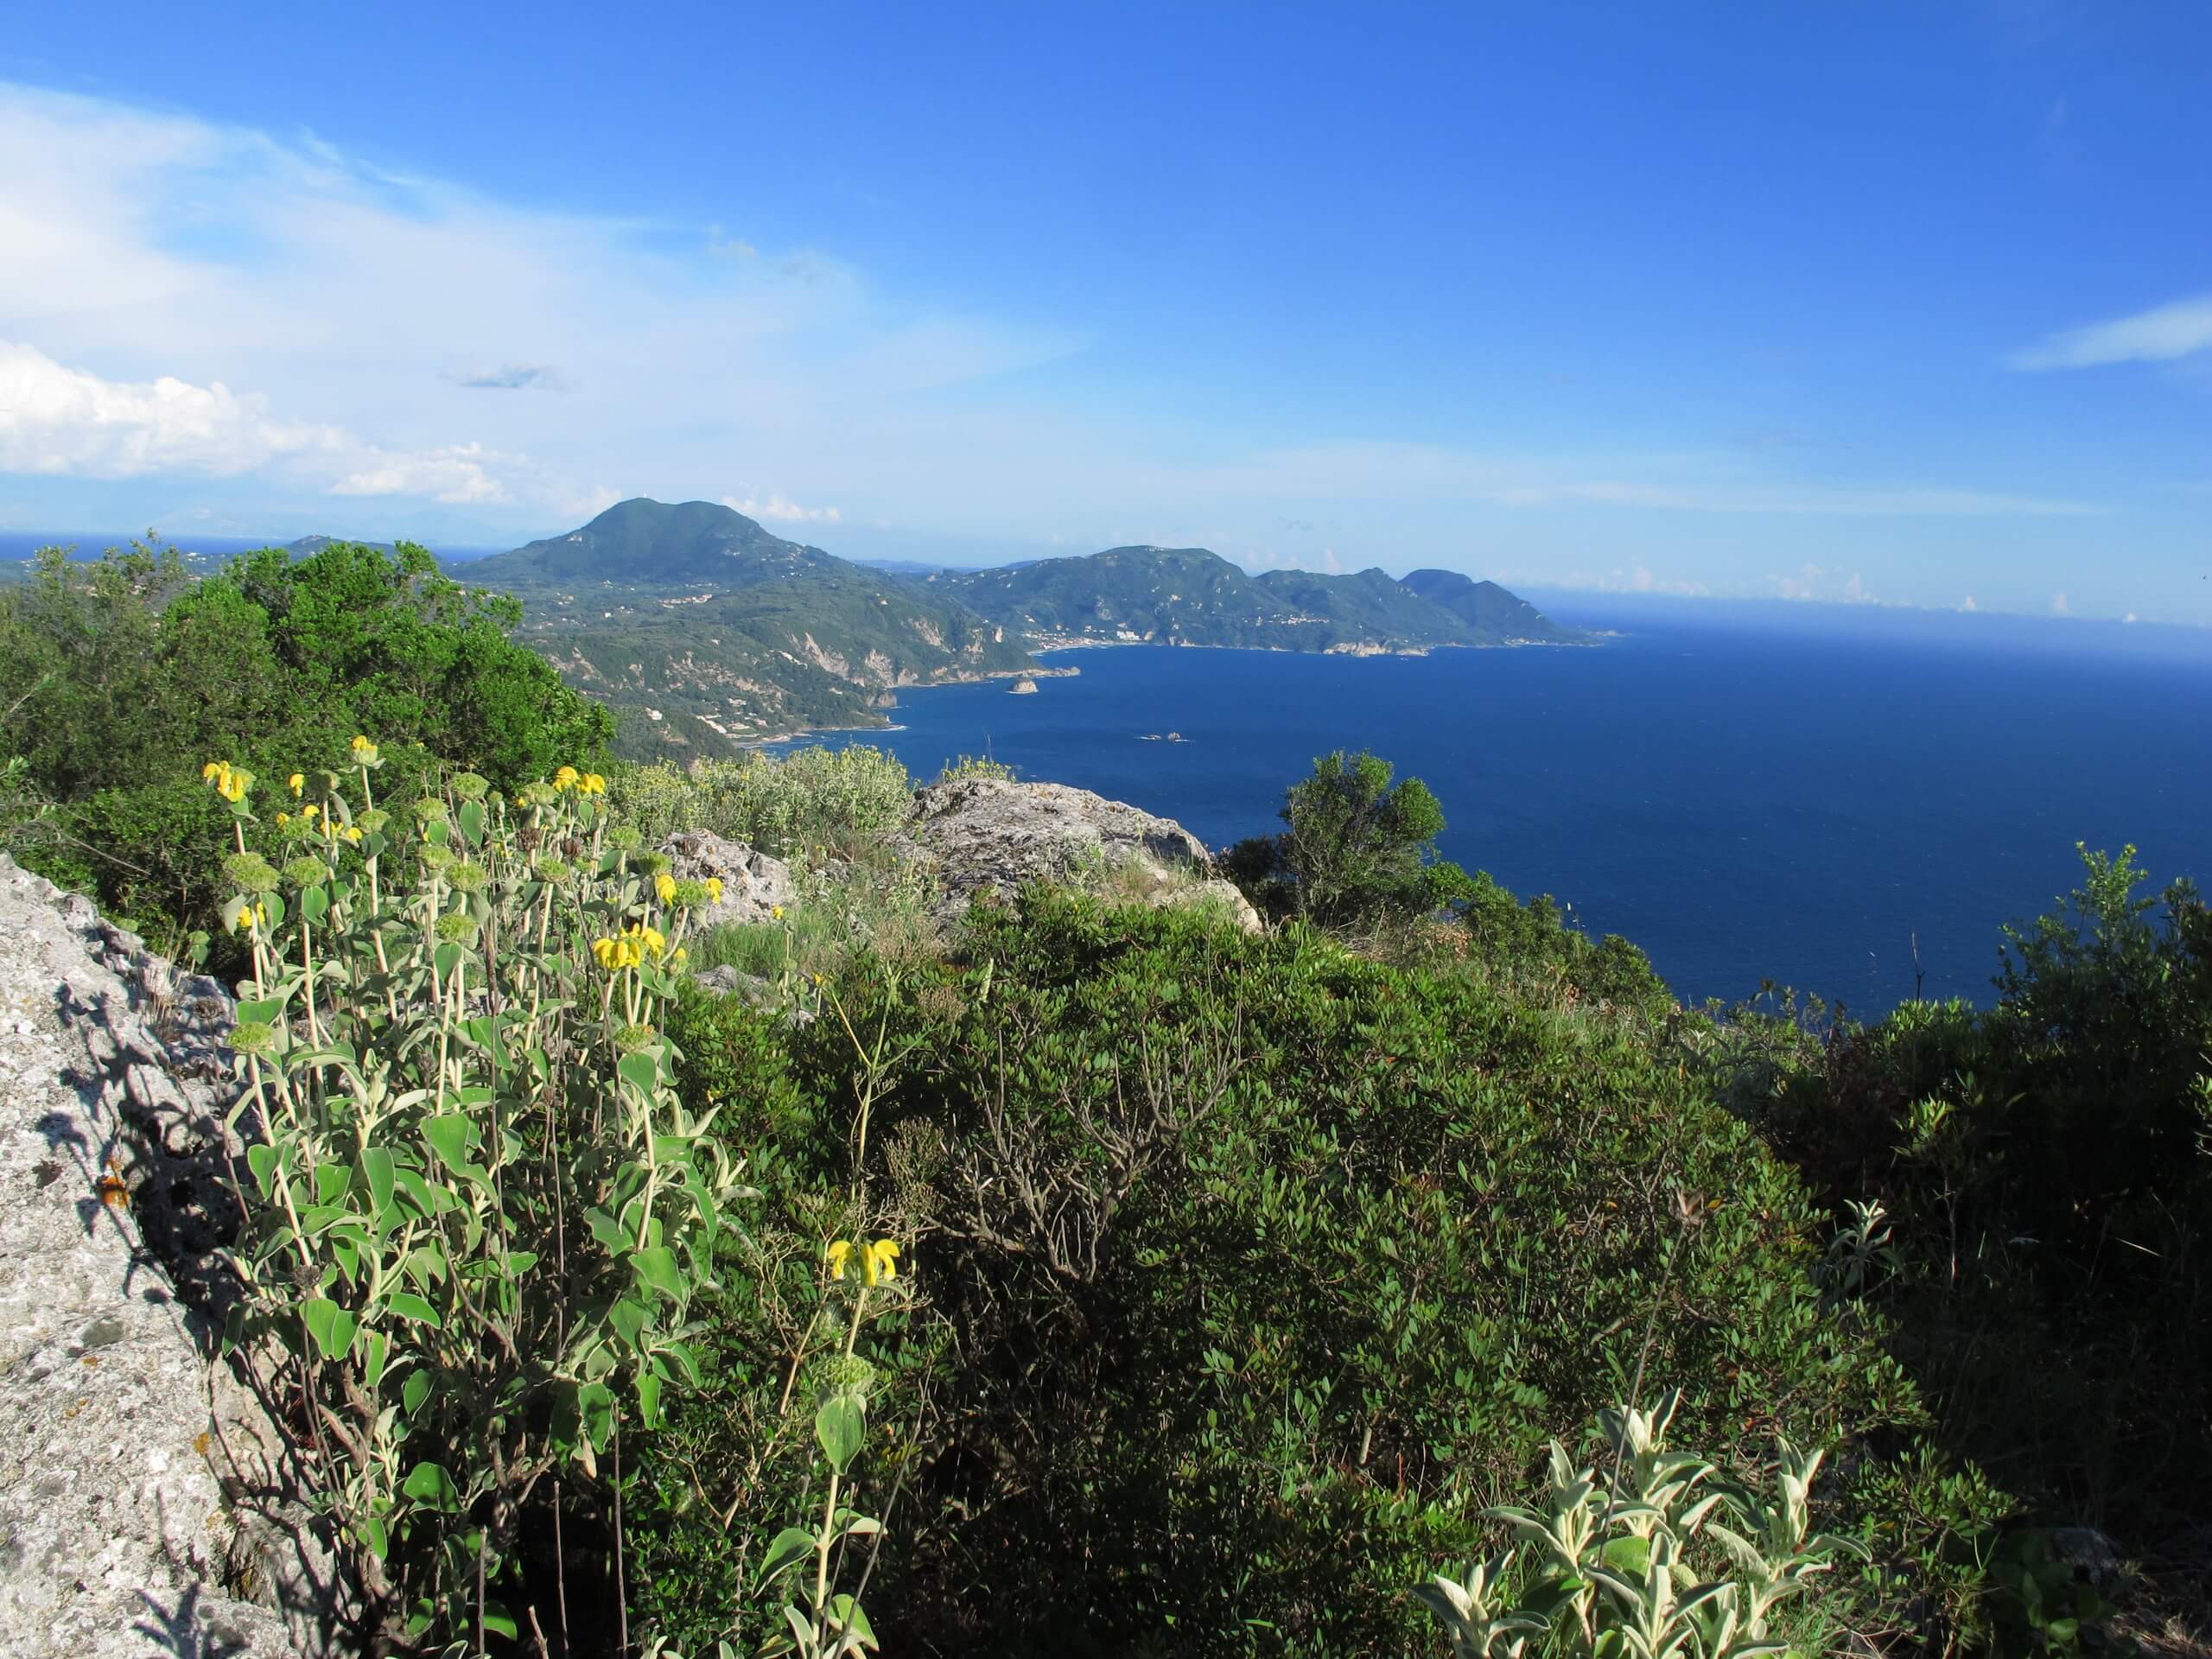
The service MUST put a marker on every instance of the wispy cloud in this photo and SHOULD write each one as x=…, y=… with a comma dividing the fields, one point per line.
x=206, y=300
x=1671, y=483
x=777, y=510
x=515, y=377
x=2158, y=335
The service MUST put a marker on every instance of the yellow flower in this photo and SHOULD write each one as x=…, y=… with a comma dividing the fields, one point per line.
x=310, y=809
x=713, y=889
x=682, y=955
x=364, y=753
x=664, y=885
x=566, y=777
x=297, y=783
x=879, y=1261
x=354, y=833
x=592, y=784
x=283, y=818
x=881, y=1264
x=636, y=945
x=231, y=782
x=776, y=910
x=522, y=800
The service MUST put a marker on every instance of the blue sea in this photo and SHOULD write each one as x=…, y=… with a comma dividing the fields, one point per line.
x=1800, y=794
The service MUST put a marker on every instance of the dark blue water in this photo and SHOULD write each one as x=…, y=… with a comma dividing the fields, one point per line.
x=1743, y=803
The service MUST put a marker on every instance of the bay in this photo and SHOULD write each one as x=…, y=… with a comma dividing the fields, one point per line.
x=1749, y=794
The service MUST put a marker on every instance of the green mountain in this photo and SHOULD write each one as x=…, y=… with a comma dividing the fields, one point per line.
x=1188, y=596
x=647, y=544
x=1487, y=607
x=1366, y=608
x=705, y=630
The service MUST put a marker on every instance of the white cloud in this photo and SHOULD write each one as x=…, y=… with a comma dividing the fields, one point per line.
x=1969, y=604
x=1639, y=580
x=778, y=511
x=2130, y=617
x=57, y=420
x=2060, y=606
x=2158, y=335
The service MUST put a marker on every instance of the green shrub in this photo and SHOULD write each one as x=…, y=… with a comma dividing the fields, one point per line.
x=971, y=766
x=2038, y=1168
x=1359, y=851
x=117, y=675
x=812, y=799
x=1251, y=1271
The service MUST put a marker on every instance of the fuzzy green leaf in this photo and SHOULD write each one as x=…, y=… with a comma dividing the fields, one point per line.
x=331, y=1325
x=657, y=1268
x=839, y=1425
x=428, y=1485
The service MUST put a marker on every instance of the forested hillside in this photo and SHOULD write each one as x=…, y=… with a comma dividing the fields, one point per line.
x=1188, y=596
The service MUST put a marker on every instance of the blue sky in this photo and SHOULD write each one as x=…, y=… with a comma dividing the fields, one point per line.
x=1910, y=303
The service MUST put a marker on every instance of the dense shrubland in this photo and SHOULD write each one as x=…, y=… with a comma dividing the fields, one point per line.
x=1094, y=1278
x=1248, y=1272
x=2043, y=1173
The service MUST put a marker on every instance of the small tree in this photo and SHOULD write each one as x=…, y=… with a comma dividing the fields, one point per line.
x=1359, y=849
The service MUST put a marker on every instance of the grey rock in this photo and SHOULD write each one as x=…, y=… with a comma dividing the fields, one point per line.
x=986, y=835
x=754, y=884
x=730, y=980
x=125, y=1512
x=751, y=989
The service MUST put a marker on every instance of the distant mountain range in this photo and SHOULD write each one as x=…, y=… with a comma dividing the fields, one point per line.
x=1188, y=596
x=705, y=630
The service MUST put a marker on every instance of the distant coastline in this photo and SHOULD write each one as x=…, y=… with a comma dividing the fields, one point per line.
x=1598, y=636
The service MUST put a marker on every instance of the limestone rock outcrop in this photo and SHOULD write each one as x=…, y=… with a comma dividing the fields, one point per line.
x=754, y=884
x=989, y=835
x=141, y=1506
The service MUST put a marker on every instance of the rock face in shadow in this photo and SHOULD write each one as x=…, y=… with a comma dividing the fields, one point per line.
x=141, y=1487
x=986, y=835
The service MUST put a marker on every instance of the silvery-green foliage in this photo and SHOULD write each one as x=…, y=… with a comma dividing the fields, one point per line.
x=1860, y=1252
x=479, y=1212
x=1648, y=1554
